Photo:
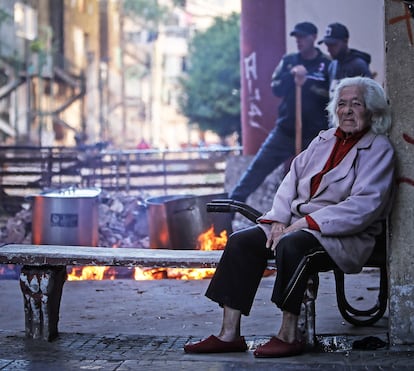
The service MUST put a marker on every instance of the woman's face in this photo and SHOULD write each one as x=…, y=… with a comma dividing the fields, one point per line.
x=352, y=114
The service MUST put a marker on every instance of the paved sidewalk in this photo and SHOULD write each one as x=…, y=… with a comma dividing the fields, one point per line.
x=143, y=352
x=130, y=325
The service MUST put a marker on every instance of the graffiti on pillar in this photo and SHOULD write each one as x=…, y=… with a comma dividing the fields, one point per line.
x=255, y=113
x=407, y=180
x=406, y=17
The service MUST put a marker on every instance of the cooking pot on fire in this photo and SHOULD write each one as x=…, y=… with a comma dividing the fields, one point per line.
x=66, y=217
x=176, y=221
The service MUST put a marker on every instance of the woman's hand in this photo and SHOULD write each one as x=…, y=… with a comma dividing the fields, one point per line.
x=275, y=235
x=297, y=226
x=279, y=229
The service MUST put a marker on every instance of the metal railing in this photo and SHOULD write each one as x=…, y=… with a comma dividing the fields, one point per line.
x=29, y=170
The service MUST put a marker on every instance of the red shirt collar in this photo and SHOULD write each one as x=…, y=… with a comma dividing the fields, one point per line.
x=354, y=137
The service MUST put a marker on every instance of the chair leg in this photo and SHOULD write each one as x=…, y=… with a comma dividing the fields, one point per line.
x=350, y=313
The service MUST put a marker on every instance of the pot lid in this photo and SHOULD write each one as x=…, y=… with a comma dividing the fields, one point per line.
x=73, y=193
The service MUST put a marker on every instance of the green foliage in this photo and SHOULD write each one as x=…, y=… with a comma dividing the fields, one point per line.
x=149, y=12
x=4, y=16
x=211, y=86
x=37, y=46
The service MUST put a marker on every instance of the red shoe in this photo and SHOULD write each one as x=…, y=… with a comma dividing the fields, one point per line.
x=276, y=348
x=214, y=345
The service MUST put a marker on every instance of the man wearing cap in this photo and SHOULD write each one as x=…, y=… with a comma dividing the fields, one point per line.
x=307, y=68
x=346, y=62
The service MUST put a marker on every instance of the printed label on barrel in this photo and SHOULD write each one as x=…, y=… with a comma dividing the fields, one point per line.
x=64, y=220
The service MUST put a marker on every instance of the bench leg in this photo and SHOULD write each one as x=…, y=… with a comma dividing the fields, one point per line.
x=42, y=290
x=306, y=322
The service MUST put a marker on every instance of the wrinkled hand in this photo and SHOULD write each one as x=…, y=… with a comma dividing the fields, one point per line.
x=279, y=230
x=299, y=72
x=275, y=234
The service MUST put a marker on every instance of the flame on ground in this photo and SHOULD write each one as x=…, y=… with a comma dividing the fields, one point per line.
x=91, y=273
x=209, y=241
x=205, y=241
x=173, y=273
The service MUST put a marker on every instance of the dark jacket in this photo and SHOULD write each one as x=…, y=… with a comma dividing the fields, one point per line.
x=353, y=63
x=315, y=94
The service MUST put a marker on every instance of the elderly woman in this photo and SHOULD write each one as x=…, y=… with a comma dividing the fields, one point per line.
x=335, y=196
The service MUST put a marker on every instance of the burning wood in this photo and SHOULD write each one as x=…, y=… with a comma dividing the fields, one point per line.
x=87, y=273
x=173, y=273
x=209, y=241
x=206, y=241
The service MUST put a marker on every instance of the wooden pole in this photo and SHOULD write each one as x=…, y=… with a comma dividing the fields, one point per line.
x=298, y=120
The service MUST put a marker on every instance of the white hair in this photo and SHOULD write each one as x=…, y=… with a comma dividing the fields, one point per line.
x=374, y=99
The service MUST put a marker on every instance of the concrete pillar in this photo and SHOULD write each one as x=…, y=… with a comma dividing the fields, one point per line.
x=262, y=46
x=399, y=30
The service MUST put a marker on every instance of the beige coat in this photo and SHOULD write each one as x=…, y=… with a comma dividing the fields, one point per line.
x=351, y=201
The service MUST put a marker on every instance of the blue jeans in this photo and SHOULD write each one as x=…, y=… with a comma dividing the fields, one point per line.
x=275, y=150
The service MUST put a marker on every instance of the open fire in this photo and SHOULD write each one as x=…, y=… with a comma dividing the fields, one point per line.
x=206, y=241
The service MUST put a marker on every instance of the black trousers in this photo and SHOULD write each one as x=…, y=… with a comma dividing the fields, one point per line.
x=244, y=260
x=275, y=150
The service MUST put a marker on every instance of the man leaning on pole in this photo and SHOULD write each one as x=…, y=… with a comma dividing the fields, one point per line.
x=301, y=79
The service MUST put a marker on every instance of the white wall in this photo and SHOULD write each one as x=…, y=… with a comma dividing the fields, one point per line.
x=363, y=18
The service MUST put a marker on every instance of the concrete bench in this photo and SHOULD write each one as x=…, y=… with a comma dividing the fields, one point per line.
x=44, y=273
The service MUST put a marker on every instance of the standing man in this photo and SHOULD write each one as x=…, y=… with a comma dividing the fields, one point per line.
x=346, y=62
x=308, y=69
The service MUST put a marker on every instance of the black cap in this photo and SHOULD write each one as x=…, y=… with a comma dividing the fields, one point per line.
x=304, y=29
x=335, y=32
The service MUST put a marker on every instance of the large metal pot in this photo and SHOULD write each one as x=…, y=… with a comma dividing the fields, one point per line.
x=66, y=217
x=176, y=221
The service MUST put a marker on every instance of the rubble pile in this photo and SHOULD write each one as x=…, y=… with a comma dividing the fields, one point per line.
x=122, y=222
